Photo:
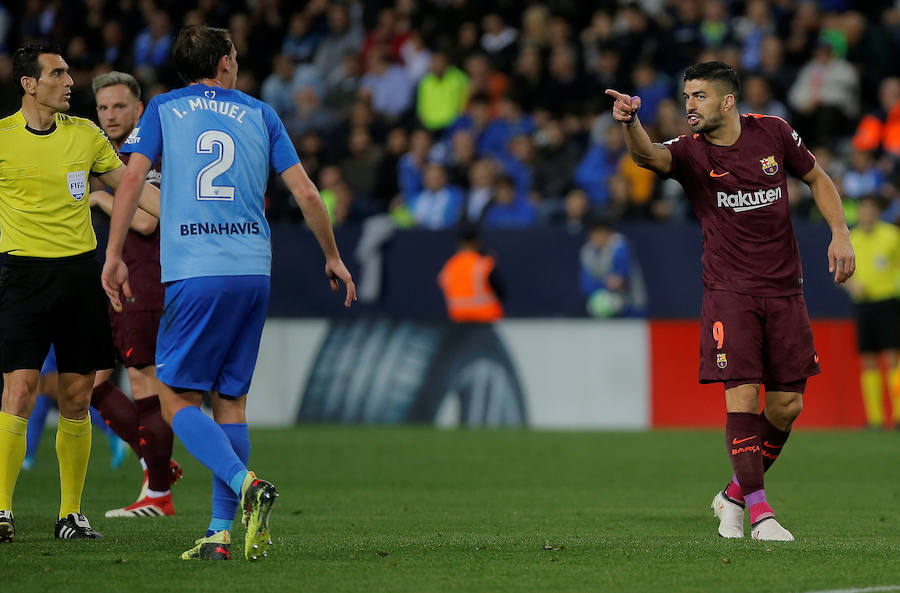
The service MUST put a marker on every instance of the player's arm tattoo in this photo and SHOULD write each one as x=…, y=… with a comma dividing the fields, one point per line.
x=660, y=146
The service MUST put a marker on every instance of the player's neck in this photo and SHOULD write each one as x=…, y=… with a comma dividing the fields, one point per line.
x=211, y=82
x=37, y=117
x=726, y=134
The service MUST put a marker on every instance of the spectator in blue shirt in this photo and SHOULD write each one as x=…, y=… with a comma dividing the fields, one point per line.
x=151, y=47
x=411, y=168
x=345, y=34
x=509, y=123
x=474, y=120
x=509, y=208
x=652, y=87
x=301, y=41
x=611, y=278
x=863, y=177
x=518, y=162
x=388, y=84
x=439, y=205
x=599, y=165
x=277, y=88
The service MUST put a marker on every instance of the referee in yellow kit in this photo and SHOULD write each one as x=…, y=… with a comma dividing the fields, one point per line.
x=875, y=288
x=50, y=289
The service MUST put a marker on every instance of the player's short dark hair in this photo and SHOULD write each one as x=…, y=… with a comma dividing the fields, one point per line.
x=101, y=81
x=718, y=72
x=197, y=50
x=26, y=63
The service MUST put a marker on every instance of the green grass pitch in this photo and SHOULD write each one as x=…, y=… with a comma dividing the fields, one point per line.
x=419, y=510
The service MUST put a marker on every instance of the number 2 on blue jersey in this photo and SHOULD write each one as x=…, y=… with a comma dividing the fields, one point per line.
x=205, y=145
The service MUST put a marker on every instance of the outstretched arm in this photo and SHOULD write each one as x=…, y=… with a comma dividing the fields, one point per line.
x=841, y=259
x=644, y=153
x=143, y=223
x=307, y=197
x=149, y=193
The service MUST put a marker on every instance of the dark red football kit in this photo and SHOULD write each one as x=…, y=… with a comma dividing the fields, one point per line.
x=754, y=324
x=135, y=328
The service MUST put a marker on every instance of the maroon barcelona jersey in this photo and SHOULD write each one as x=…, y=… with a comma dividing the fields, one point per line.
x=739, y=194
x=141, y=254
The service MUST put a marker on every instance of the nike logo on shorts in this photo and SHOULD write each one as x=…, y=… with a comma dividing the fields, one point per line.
x=737, y=441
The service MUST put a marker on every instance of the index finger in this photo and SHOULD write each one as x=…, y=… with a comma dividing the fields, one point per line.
x=617, y=95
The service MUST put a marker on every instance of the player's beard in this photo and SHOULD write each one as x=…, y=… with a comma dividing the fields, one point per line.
x=708, y=125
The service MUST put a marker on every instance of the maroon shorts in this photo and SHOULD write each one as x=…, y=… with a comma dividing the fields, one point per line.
x=134, y=335
x=757, y=339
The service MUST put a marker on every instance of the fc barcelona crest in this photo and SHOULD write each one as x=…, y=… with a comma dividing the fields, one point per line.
x=769, y=166
x=721, y=360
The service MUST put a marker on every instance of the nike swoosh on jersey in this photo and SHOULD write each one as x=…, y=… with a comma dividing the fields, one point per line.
x=712, y=173
x=736, y=441
x=768, y=444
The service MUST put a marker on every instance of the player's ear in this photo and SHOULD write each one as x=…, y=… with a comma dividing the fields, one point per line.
x=729, y=102
x=29, y=83
x=140, y=109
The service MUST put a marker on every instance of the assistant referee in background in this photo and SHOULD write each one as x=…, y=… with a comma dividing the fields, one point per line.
x=875, y=289
x=50, y=290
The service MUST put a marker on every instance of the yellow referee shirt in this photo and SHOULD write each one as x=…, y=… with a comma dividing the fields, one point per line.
x=44, y=206
x=877, y=261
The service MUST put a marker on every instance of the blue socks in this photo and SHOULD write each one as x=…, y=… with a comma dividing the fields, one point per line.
x=208, y=443
x=225, y=450
x=226, y=496
x=36, y=422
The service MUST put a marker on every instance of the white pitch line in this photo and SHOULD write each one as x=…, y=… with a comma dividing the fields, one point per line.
x=864, y=590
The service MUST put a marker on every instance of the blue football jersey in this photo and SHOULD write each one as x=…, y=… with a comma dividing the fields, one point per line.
x=217, y=146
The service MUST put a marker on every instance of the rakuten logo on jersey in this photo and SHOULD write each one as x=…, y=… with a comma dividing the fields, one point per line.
x=748, y=200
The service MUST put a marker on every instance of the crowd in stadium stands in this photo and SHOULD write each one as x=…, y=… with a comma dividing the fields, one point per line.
x=438, y=111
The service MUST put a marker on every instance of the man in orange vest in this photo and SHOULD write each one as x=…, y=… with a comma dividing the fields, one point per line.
x=881, y=129
x=470, y=283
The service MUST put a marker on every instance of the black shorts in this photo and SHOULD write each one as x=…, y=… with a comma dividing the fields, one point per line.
x=134, y=336
x=878, y=325
x=57, y=301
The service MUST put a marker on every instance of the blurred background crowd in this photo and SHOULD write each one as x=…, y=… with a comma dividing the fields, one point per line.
x=441, y=111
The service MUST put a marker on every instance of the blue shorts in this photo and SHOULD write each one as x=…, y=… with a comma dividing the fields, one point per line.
x=49, y=363
x=210, y=331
